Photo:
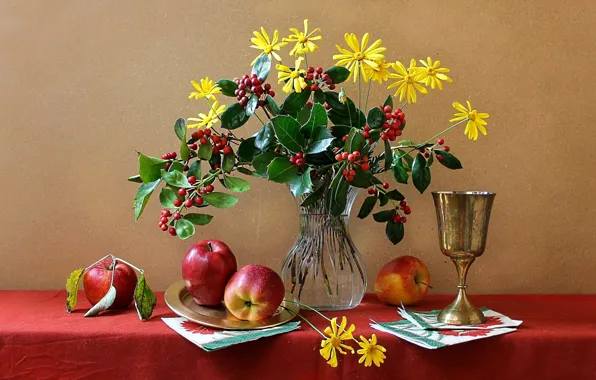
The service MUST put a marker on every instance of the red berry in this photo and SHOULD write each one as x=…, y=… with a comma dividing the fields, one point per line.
x=209, y=188
x=217, y=166
x=163, y=220
x=327, y=106
x=365, y=158
x=202, y=191
x=404, y=219
x=188, y=203
x=388, y=116
x=300, y=162
x=182, y=192
x=447, y=149
x=173, y=154
x=192, y=179
x=227, y=150
x=195, y=135
x=272, y=93
x=314, y=87
x=345, y=172
x=299, y=155
x=215, y=150
x=384, y=137
x=164, y=227
x=365, y=166
x=343, y=139
x=199, y=201
x=311, y=69
x=168, y=164
x=386, y=185
x=351, y=157
x=402, y=203
x=426, y=155
x=371, y=190
x=407, y=210
x=396, y=218
x=356, y=154
x=172, y=231
x=345, y=155
x=267, y=87
x=203, y=141
x=366, y=134
x=440, y=157
x=193, y=146
x=352, y=173
x=177, y=202
x=177, y=216
x=165, y=213
x=338, y=157
x=332, y=86
x=387, y=109
x=440, y=141
x=293, y=159
x=319, y=70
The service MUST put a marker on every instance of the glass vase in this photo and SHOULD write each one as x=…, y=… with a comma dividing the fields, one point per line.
x=324, y=269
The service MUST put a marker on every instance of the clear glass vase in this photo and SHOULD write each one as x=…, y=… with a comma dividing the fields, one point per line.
x=323, y=269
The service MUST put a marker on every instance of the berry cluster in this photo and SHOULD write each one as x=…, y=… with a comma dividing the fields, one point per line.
x=373, y=190
x=318, y=79
x=298, y=159
x=354, y=160
x=221, y=142
x=249, y=85
x=395, y=120
x=164, y=221
x=397, y=218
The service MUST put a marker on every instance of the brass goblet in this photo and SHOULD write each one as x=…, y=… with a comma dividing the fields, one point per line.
x=463, y=218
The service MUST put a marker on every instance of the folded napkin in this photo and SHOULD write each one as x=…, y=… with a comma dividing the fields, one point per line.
x=212, y=339
x=427, y=320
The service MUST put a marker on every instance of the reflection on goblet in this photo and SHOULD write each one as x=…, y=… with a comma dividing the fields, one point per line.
x=462, y=217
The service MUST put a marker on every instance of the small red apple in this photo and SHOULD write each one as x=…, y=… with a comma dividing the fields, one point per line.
x=206, y=269
x=254, y=292
x=97, y=280
x=402, y=280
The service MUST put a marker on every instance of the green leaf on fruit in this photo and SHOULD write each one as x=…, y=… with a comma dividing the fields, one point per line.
x=145, y=299
x=362, y=179
x=135, y=178
x=319, y=97
x=180, y=130
x=247, y=149
x=262, y=161
x=103, y=303
x=236, y=184
x=288, y=133
x=198, y=219
x=262, y=67
x=320, y=140
x=184, y=228
x=383, y=216
x=195, y=169
x=367, y=207
x=220, y=200
x=420, y=173
x=252, y=104
x=388, y=101
x=167, y=197
x=395, y=195
x=408, y=160
x=355, y=141
x=281, y=170
x=175, y=178
x=143, y=194
x=234, y=117
x=449, y=160
x=229, y=160
x=271, y=106
x=227, y=87
x=376, y=118
x=399, y=171
x=394, y=232
x=338, y=74
x=265, y=137
x=72, y=289
x=301, y=185
x=295, y=102
x=150, y=167
x=317, y=118
x=205, y=151
x=388, y=155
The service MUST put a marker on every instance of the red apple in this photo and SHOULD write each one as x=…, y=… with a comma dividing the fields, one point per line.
x=206, y=269
x=254, y=292
x=402, y=280
x=97, y=280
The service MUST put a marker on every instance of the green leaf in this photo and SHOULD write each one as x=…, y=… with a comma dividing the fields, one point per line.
x=355, y=141
x=150, y=167
x=288, y=133
x=229, y=160
x=429, y=160
x=395, y=195
x=362, y=179
x=388, y=101
x=320, y=140
x=265, y=137
x=195, y=169
x=383, y=216
x=340, y=131
x=271, y=106
x=340, y=196
x=103, y=303
x=175, y=178
x=281, y=170
x=388, y=155
x=234, y=117
x=262, y=67
x=142, y=196
x=383, y=199
x=318, y=118
x=180, y=130
x=295, y=102
x=420, y=173
x=215, y=160
x=338, y=74
x=449, y=160
x=245, y=171
x=319, y=97
x=135, y=178
x=262, y=161
x=399, y=172
x=227, y=87
x=145, y=299
x=376, y=118
x=247, y=149
x=72, y=289
x=205, y=151
x=184, y=229
x=406, y=143
x=220, y=200
x=184, y=151
x=394, y=232
x=252, y=104
x=198, y=219
x=409, y=161
x=312, y=198
x=303, y=115
x=301, y=185
x=236, y=184
x=367, y=207
x=167, y=197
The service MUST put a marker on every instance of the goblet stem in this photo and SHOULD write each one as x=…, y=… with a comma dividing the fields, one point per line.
x=462, y=311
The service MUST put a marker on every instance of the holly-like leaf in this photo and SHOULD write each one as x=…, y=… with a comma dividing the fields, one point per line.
x=338, y=74
x=198, y=219
x=236, y=184
x=394, y=232
x=234, y=117
x=355, y=141
x=339, y=197
x=271, y=106
x=388, y=155
x=281, y=170
x=245, y=171
x=408, y=160
x=167, y=197
x=265, y=137
x=135, y=178
x=180, y=129
x=362, y=179
x=295, y=102
x=150, y=167
x=367, y=206
x=220, y=200
x=395, y=195
x=320, y=140
x=145, y=299
x=142, y=196
x=262, y=67
x=383, y=216
x=247, y=149
x=376, y=118
x=319, y=97
x=301, y=185
x=449, y=160
x=399, y=171
x=429, y=161
x=252, y=104
x=262, y=161
x=317, y=118
x=103, y=303
x=205, y=151
x=420, y=173
x=175, y=178
x=229, y=160
x=388, y=101
x=72, y=289
x=195, y=169
x=184, y=228
x=383, y=199
x=288, y=133
x=227, y=87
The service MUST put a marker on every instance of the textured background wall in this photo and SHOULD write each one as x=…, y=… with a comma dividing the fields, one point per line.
x=85, y=84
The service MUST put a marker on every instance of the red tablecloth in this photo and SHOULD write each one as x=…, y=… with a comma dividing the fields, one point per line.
x=39, y=340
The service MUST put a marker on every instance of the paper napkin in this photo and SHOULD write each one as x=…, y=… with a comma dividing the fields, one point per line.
x=212, y=339
x=427, y=320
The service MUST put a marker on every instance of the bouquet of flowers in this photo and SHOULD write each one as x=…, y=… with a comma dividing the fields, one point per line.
x=318, y=140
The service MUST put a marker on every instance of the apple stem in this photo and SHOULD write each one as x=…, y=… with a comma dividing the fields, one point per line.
x=424, y=283
x=210, y=247
x=137, y=269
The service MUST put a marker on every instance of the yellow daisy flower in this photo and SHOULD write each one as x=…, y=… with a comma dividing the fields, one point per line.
x=207, y=120
x=431, y=74
x=361, y=56
x=207, y=89
x=407, y=84
x=334, y=342
x=475, y=120
x=380, y=74
x=262, y=42
x=303, y=41
x=371, y=352
x=292, y=77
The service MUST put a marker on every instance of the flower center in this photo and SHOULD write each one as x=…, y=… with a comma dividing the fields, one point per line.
x=335, y=341
x=359, y=56
x=268, y=49
x=472, y=115
x=303, y=39
x=409, y=79
x=430, y=71
x=208, y=119
x=294, y=74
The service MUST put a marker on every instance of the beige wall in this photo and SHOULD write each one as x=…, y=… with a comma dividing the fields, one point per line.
x=86, y=83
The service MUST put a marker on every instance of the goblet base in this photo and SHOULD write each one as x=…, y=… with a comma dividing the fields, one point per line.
x=461, y=312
